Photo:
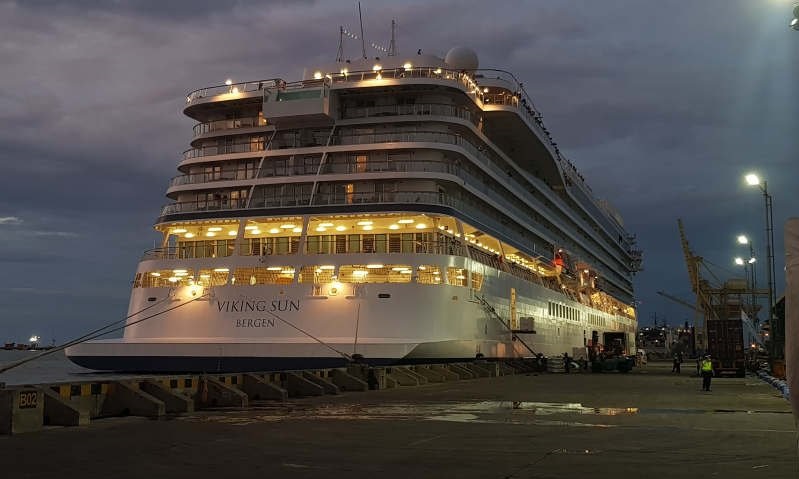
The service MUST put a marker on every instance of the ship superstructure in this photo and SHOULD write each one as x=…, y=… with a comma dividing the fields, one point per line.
x=406, y=208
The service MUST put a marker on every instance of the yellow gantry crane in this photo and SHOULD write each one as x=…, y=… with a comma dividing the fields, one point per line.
x=704, y=309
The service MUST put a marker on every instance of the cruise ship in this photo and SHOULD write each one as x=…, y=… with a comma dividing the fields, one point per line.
x=387, y=210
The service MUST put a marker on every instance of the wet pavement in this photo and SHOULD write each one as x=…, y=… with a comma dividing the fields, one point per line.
x=525, y=426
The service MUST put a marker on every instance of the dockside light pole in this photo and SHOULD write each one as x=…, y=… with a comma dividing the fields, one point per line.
x=776, y=335
x=744, y=240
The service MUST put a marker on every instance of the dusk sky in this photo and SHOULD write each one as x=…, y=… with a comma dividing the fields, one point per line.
x=662, y=105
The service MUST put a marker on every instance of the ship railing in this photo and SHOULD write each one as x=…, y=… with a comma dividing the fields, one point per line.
x=258, y=144
x=219, y=125
x=478, y=152
x=383, y=243
x=233, y=89
x=334, y=198
x=438, y=109
x=196, y=249
x=235, y=147
x=200, y=178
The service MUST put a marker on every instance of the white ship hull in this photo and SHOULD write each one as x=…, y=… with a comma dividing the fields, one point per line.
x=280, y=327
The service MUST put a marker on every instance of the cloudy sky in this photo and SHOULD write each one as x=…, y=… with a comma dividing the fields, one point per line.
x=662, y=104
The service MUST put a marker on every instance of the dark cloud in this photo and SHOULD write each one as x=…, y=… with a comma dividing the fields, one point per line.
x=662, y=107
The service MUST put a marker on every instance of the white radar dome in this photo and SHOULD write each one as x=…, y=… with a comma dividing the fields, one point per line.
x=462, y=58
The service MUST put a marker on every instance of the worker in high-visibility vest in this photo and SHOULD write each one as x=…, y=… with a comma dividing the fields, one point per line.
x=706, y=369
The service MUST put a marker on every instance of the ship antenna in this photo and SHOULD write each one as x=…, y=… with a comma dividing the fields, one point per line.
x=340, y=54
x=392, y=47
x=363, y=42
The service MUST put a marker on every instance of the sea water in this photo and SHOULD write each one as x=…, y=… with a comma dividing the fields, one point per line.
x=52, y=368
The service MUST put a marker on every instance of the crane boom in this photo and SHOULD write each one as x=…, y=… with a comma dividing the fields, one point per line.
x=702, y=308
x=677, y=300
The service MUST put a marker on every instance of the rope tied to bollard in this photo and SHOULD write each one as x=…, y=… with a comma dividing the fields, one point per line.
x=97, y=333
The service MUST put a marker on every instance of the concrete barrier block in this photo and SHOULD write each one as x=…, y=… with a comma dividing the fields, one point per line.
x=375, y=378
x=445, y=371
x=327, y=386
x=125, y=398
x=173, y=401
x=389, y=381
x=401, y=378
x=347, y=382
x=59, y=412
x=212, y=392
x=258, y=388
x=461, y=371
x=490, y=368
x=505, y=370
x=21, y=410
x=429, y=374
x=477, y=370
x=298, y=386
x=419, y=378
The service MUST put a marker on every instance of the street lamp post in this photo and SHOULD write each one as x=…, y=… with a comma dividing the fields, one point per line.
x=744, y=240
x=753, y=180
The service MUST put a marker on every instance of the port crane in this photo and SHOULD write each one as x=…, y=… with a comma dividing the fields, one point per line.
x=703, y=309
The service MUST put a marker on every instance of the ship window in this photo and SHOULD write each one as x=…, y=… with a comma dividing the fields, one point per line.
x=205, y=249
x=390, y=273
x=380, y=243
x=213, y=277
x=266, y=275
x=316, y=274
x=394, y=243
x=341, y=244
x=368, y=243
x=408, y=243
x=137, y=281
x=477, y=281
x=354, y=243
x=456, y=276
x=286, y=245
x=167, y=278
x=360, y=163
x=320, y=244
x=428, y=274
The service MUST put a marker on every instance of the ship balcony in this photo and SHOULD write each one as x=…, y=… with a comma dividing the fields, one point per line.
x=427, y=109
x=335, y=166
x=211, y=127
x=330, y=199
x=252, y=146
x=323, y=244
x=204, y=100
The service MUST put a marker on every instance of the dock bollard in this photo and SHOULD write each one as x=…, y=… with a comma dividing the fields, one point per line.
x=21, y=410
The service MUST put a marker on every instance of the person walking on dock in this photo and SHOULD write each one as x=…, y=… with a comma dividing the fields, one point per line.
x=707, y=372
x=675, y=368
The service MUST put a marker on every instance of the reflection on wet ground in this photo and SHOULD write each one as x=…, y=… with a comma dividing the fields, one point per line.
x=506, y=412
x=513, y=412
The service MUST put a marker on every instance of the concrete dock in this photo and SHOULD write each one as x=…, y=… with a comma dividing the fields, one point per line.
x=647, y=423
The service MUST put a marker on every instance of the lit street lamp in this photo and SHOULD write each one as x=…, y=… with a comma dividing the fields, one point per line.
x=754, y=180
x=744, y=240
x=749, y=284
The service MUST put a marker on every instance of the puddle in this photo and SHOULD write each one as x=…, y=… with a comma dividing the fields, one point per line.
x=495, y=412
